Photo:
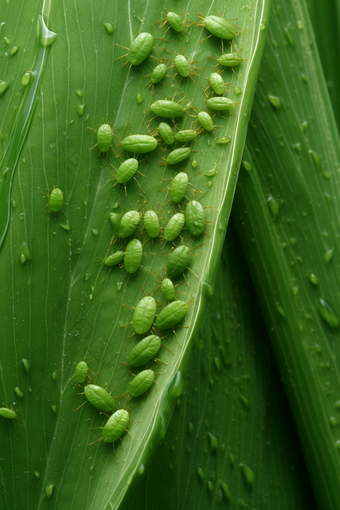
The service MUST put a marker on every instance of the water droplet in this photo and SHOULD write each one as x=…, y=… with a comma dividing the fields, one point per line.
x=262, y=26
x=210, y=183
x=289, y=36
x=36, y=474
x=86, y=277
x=94, y=231
x=54, y=408
x=238, y=90
x=3, y=86
x=217, y=363
x=14, y=204
x=115, y=206
x=119, y=286
x=315, y=158
x=18, y=392
x=333, y=421
x=211, y=172
x=247, y=166
x=274, y=43
x=46, y=36
x=313, y=279
x=232, y=459
x=49, y=490
x=210, y=486
x=225, y=490
x=248, y=473
x=13, y=50
x=26, y=364
x=139, y=98
x=292, y=241
x=26, y=78
x=223, y=140
x=328, y=313
x=245, y=401
x=54, y=376
x=200, y=474
x=280, y=310
x=275, y=101
x=297, y=147
x=304, y=126
x=304, y=78
x=109, y=28
x=7, y=41
x=194, y=163
x=274, y=207
x=299, y=25
x=65, y=226
x=22, y=259
x=141, y=469
x=213, y=442
x=80, y=109
x=329, y=255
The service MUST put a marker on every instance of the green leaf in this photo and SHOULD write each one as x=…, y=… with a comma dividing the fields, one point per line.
x=286, y=210
x=233, y=413
x=61, y=304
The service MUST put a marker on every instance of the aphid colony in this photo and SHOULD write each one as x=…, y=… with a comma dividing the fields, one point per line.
x=145, y=321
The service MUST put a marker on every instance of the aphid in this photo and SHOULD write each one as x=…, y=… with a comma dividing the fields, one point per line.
x=99, y=398
x=126, y=170
x=166, y=133
x=128, y=224
x=114, y=259
x=158, y=73
x=194, y=218
x=151, y=223
x=178, y=155
x=230, y=60
x=179, y=186
x=175, y=21
x=144, y=351
x=133, y=256
x=183, y=66
x=141, y=383
x=220, y=103
x=114, y=219
x=205, y=120
x=178, y=261
x=5, y=412
x=144, y=315
x=56, y=200
x=168, y=289
x=104, y=137
x=81, y=371
x=115, y=426
x=167, y=109
x=217, y=83
x=140, y=144
x=185, y=135
x=218, y=27
x=171, y=315
x=174, y=226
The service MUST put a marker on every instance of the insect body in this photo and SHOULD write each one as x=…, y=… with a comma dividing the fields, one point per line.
x=140, y=48
x=230, y=60
x=141, y=383
x=205, y=120
x=178, y=261
x=174, y=226
x=140, y=144
x=99, y=398
x=220, y=103
x=168, y=289
x=115, y=426
x=144, y=351
x=167, y=109
x=158, y=73
x=175, y=21
x=5, y=412
x=219, y=27
x=178, y=155
x=104, y=137
x=56, y=200
x=179, y=186
x=126, y=170
x=151, y=223
x=114, y=219
x=144, y=315
x=81, y=371
x=172, y=314
x=114, y=259
x=128, y=224
x=166, y=133
x=194, y=218
x=133, y=256
x=185, y=135
x=182, y=65
x=217, y=83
